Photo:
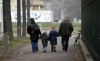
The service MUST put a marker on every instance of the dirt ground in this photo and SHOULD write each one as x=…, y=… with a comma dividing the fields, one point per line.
x=11, y=49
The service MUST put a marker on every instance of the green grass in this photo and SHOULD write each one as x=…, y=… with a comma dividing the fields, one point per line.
x=14, y=25
x=24, y=40
x=1, y=43
x=16, y=40
x=49, y=25
x=21, y=40
x=10, y=44
x=78, y=25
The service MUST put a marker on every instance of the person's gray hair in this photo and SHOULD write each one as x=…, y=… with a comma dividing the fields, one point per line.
x=66, y=18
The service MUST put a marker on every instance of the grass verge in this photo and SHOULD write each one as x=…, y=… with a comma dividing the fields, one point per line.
x=16, y=40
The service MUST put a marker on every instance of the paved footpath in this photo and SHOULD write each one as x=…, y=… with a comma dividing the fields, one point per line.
x=25, y=54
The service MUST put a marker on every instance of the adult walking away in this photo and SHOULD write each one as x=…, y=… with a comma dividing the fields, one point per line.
x=65, y=30
x=34, y=31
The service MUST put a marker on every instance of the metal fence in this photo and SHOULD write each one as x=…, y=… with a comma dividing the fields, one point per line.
x=90, y=14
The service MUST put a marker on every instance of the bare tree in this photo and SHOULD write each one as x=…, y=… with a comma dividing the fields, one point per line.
x=24, y=18
x=9, y=22
x=70, y=7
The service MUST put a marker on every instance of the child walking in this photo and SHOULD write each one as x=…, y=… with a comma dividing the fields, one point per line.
x=44, y=40
x=53, y=34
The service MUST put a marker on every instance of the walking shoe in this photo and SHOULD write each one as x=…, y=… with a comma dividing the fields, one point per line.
x=54, y=50
x=36, y=48
x=51, y=49
x=65, y=50
x=44, y=51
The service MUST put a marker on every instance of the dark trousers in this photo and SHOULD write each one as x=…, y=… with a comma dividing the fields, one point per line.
x=65, y=40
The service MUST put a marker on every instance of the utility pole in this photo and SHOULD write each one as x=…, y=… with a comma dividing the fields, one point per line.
x=18, y=19
x=4, y=16
x=28, y=11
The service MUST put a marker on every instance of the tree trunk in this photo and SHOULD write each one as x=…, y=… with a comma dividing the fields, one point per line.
x=9, y=22
x=24, y=18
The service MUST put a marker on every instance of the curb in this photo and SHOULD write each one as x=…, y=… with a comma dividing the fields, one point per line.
x=85, y=53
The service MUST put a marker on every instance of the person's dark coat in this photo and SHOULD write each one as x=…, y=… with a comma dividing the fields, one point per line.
x=44, y=37
x=65, y=28
x=53, y=37
x=34, y=35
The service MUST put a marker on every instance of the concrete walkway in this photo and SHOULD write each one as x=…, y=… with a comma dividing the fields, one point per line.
x=25, y=53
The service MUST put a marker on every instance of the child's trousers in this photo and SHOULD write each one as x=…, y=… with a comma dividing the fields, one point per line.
x=53, y=48
x=44, y=47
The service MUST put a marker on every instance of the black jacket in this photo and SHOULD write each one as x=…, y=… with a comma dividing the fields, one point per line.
x=34, y=35
x=65, y=28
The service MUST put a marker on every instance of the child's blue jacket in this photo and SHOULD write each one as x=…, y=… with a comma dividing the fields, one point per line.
x=53, y=34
